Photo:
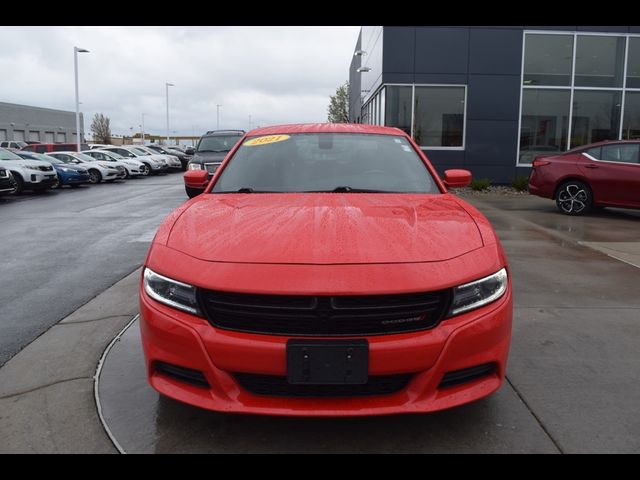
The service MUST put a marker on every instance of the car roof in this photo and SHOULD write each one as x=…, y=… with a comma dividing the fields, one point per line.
x=602, y=143
x=326, y=128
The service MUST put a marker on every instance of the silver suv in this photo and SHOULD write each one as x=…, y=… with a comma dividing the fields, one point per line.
x=28, y=174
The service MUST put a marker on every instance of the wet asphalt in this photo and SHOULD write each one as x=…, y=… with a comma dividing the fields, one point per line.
x=61, y=248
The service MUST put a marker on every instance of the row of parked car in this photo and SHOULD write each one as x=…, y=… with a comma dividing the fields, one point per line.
x=40, y=167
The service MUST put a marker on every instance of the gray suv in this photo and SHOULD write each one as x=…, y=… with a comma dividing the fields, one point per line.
x=212, y=147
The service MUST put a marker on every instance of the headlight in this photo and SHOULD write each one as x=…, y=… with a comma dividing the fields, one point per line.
x=195, y=166
x=65, y=169
x=170, y=292
x=31, y=167
x=478, y=293
x=106, y=165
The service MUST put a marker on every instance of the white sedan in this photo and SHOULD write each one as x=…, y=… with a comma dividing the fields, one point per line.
x=133, y=167
x=173, y=161
x=98, y=171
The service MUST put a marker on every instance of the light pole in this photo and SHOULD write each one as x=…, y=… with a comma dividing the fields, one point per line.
x=249, y=121
x=76, y=51
x=218, y=116
x=168, y=85
x=142, y=126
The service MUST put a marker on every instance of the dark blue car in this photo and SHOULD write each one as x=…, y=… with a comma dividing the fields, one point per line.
x=68, y=174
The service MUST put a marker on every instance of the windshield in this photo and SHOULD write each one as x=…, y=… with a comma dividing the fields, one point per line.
x=46, y=158
x=83, y=157
x=139, y=151
x=7, y=155
x=326, y=162
x=115, y=155
x=219, y=143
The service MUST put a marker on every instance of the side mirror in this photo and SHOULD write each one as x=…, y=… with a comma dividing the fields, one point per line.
x=190, y=151
x=196, y=179
x=457, y=178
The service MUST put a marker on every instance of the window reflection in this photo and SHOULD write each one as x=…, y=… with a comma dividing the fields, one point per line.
x=545, y=120
x=548, y=59
x=599, y=61
x=596, y=116
x=439, y=116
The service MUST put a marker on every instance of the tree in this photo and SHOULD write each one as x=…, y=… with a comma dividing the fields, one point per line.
x=101, y=128
x=338, y=109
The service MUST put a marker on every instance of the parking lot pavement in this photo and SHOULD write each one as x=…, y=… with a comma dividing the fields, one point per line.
x=61, y=248
x=576, y=333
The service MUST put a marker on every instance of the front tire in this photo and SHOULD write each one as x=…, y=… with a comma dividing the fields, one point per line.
x=19, y=183
x=574, y=198
x=94, y=176
x=146, y=169
x=193, y=192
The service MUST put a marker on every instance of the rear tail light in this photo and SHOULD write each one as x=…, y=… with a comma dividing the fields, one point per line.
x=540, y=163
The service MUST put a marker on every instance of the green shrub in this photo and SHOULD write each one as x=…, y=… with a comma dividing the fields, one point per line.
x=480, y=184
x=520, y=183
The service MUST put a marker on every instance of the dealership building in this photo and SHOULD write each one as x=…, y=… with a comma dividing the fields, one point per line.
x=26, y=123
x=489, y=99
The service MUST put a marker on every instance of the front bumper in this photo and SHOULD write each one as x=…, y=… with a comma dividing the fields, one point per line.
x=73, y=178
x=474, y=338
x=40, y=180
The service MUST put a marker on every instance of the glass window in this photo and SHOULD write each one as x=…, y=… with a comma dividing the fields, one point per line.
x=439, y=116
x=599, y=61
x=594, y=152
x=398, y=108
x=548, y=59
x=596, y=116
x=633, y=63
x=545, y=122
x=327, y=162
x=631, y=124
x=622, y=152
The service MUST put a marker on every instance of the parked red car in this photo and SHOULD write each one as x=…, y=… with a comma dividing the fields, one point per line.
x=603, y=174
x=54, y=147
x=326, y=271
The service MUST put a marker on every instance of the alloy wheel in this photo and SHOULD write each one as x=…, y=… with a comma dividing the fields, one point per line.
x=574, y=198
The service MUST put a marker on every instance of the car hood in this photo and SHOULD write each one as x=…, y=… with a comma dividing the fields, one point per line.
x=75, y=168
x=321, y=229
x=202, y=157
x=24, y=163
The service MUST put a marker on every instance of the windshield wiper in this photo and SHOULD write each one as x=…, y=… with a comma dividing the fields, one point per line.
x=246, y=190
x=212, y=151
x=348, y=189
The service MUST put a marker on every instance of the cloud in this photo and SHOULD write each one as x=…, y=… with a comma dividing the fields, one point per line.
x=275, y=74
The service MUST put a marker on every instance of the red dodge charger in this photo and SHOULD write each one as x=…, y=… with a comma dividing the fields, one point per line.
x=604, y=174
x=326, y=271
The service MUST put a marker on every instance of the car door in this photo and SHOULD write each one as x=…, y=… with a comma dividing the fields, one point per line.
x=613, y=171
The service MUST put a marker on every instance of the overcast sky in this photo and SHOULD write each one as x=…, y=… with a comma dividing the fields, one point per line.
x=275, y=74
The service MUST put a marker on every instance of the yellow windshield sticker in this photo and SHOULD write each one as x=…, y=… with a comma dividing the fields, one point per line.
x=254, y=142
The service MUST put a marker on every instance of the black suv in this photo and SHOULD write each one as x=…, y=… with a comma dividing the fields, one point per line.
x=212, y=147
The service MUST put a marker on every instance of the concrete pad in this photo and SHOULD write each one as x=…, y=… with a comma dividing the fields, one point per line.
x=64, y=352
x=72, y=348
x=60, y=418
x=628, y=252
x=120, y=299
x=578, y=369
x=144, y=422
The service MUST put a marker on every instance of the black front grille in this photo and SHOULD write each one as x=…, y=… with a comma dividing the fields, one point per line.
x=274, y=386
x=46, y=168
x=456, y=377
x=187, y=375
x=326, y=316
x=212, y=167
